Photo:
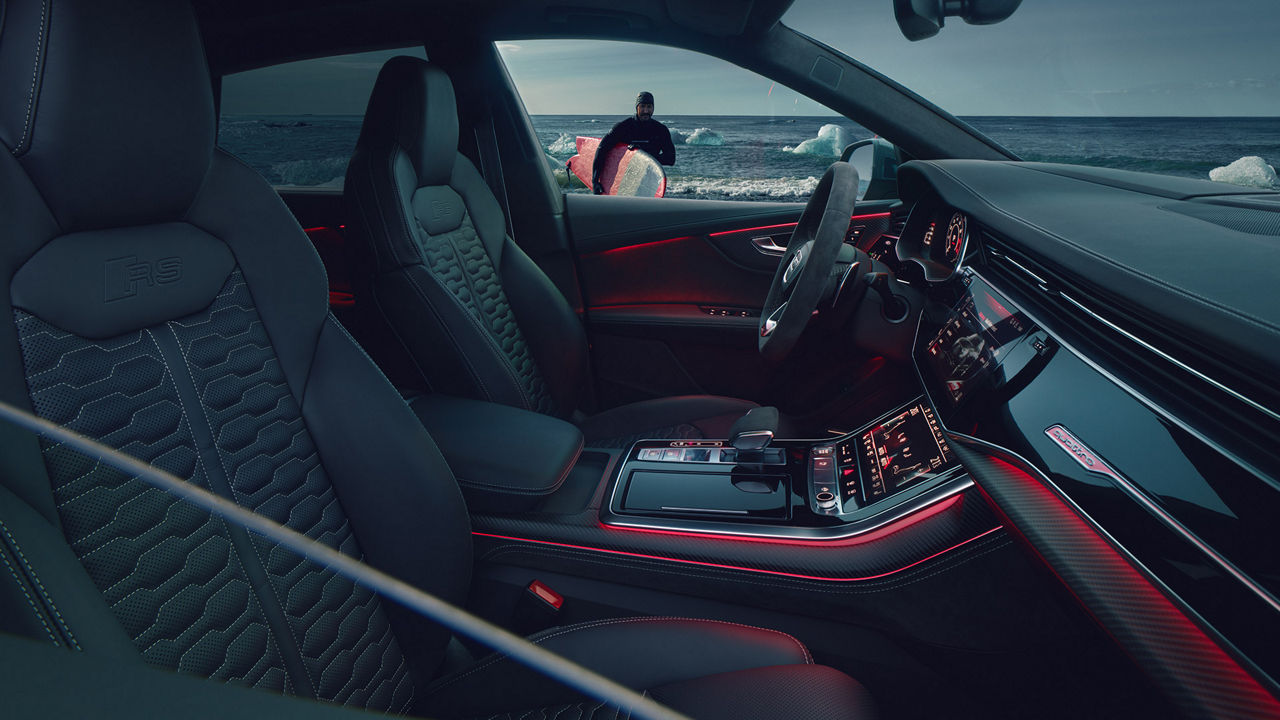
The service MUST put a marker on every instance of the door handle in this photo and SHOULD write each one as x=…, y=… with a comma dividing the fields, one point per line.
x=766, y=246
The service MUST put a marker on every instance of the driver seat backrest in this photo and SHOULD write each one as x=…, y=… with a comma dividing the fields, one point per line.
x=478, y=318
x=147, y=309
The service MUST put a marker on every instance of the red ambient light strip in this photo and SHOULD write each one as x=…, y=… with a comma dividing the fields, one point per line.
x=861, y=539
x=630, y=248
x=1161, y=637
x=700, y=563
x=871, y=216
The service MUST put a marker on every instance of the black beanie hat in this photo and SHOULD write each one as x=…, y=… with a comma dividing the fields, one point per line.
x=644, y=98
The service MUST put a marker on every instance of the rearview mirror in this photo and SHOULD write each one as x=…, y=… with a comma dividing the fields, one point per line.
x=920, y=19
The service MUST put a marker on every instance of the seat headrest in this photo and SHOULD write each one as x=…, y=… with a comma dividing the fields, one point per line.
x=108, y=107
x=413, y=107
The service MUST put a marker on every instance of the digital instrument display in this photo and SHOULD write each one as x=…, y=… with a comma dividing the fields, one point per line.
x=978, y=334
x=903, y=450
x=957, y=235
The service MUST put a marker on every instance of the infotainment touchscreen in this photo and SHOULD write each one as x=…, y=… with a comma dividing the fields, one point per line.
x=979, y=332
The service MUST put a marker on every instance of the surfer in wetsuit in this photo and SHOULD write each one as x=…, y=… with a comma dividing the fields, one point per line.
x=640, y=131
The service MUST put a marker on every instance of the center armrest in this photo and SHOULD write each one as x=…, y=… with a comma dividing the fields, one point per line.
x=505, y=459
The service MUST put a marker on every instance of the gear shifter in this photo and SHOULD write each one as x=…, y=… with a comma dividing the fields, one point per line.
x=752, y=433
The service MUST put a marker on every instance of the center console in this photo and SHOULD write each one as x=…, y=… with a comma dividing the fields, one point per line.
x=792, y=488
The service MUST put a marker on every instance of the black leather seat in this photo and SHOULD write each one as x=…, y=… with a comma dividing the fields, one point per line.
x=477, y=316
x=163, y=300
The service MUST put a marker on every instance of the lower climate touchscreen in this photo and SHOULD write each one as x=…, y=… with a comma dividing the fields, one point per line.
x=902, y=449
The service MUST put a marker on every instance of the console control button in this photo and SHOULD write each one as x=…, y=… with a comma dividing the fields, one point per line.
x=672, y=454
x=650, y=454
x=825, y=500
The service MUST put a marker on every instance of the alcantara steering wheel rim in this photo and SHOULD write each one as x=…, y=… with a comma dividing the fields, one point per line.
x=803, y=270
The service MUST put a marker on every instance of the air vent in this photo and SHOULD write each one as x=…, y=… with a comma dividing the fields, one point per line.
x=1162, y=351
x=999, y=256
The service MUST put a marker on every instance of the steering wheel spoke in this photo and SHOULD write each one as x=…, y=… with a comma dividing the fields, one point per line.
x=771, y=322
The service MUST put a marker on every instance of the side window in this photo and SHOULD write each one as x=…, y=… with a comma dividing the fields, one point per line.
x=297, y=123
x=736, y=135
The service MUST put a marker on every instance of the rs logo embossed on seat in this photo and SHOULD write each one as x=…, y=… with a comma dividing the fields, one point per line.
x=125, y=275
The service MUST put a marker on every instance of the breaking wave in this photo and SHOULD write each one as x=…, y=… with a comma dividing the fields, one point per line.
x=830, y=142
x=782, y=189
x=325, y=172
x=566, y=144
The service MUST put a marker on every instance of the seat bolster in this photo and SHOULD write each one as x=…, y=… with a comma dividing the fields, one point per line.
x=55, y=596
x=638, y=652
x=486, y=214
x=398, y=493
x=266, y=241
x=551, y=328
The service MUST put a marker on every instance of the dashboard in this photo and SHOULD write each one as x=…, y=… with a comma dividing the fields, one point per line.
x=1069, y=401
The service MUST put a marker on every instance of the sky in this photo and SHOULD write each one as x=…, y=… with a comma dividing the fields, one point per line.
x=1052, y=57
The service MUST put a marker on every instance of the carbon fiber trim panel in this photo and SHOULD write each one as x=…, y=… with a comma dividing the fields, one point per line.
x=1195, y=671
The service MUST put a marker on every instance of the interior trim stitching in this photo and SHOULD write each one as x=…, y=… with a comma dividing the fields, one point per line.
x=257, y=547
x=35, y=80
x=35, y=580
x=230, y=529
x=484, y=331
x=527, y=392
x=539, y=639
x=30, y=601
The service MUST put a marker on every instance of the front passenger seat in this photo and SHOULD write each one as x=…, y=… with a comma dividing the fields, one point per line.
x=477, y=316
x=158, y=296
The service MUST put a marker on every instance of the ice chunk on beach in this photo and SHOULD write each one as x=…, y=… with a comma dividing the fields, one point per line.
x=566, y=144
x=704, y=136
x=1250, y=171
x=830, y=142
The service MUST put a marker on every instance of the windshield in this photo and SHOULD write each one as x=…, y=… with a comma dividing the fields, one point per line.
x=1173, y=87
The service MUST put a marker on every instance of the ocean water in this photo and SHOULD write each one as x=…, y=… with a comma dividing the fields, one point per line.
x=781, y=158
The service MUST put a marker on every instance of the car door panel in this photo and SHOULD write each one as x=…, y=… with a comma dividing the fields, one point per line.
x=673, y=289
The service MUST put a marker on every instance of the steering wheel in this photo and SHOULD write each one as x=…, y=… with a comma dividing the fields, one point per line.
x=804, y=269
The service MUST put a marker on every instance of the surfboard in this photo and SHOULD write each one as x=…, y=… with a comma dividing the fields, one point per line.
x=634, y=173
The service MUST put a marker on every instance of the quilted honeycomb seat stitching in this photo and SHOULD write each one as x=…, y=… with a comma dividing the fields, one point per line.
x=459, y=261
x=170, y=572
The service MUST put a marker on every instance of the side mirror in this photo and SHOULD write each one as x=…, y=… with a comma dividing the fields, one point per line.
x=876, y=161
x=920, y=19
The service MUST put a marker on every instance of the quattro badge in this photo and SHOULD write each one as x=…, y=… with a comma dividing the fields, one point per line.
x=1082, y=454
